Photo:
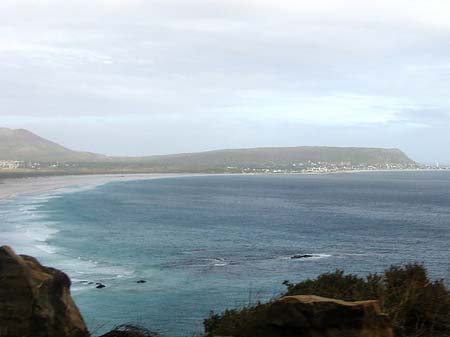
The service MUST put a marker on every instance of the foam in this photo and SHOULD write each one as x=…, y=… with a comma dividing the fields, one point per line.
x=218, y=262
x=46, y=248
x=25, y=228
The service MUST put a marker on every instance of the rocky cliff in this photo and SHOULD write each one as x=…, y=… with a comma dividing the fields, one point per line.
x=35, y=300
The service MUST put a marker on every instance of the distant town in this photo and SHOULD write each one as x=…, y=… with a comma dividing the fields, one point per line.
x=302, y=167
x=19, y=164
x=326, y=167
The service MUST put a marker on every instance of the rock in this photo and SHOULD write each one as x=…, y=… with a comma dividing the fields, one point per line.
x=301, y=256
x=303, y=316
x=141, y=281
x=100, y=285
x=35, y=300
x=314, y=316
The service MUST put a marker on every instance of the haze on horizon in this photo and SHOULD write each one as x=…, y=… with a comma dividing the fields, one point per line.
x=140, y=77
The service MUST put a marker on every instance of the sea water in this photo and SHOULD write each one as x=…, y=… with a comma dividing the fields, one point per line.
x=214, y=242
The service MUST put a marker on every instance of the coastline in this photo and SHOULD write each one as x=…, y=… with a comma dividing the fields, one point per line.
x=13, y=187
x=22, y=225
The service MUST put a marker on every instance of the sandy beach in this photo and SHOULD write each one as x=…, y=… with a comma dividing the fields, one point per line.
x=10, y=188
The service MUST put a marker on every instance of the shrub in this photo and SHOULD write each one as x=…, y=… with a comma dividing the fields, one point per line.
x=128, y=330
x=417, y=306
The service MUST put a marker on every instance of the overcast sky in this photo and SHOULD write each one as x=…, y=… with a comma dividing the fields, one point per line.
x=134, y=77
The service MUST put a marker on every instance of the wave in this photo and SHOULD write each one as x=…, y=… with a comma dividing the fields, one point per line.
x=46, y=248
x=218, y=262
x=25, y=227
x=198, y=262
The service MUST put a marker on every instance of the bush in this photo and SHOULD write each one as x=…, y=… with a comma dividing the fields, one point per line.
x=128, y=330
x=244, y=322
x=417, y=306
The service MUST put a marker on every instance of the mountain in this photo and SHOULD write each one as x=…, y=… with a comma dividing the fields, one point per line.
x=280, y=157
x=25, y=146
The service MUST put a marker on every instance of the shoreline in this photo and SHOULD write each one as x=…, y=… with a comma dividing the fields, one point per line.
x=14, y=187
x=31, y=185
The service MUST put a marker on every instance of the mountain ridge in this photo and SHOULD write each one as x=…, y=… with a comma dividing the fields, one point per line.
x=23, y=145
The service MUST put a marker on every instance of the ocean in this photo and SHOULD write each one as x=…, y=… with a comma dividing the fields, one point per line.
x=207, y=243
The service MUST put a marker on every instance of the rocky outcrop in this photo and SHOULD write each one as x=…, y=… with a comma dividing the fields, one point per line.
x=303, y=316
x=35, y=300
x=314, y=316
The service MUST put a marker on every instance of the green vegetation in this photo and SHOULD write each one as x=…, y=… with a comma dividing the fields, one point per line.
x=22, y=152
x=417, y=306
x=129, y=330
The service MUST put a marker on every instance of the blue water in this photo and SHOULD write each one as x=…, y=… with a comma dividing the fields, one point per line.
x=212, y=242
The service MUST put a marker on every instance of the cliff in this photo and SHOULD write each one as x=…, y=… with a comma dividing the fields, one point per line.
x=35, y=300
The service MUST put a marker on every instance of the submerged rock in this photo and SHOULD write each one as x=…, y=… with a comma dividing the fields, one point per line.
x=314, y=316
x=301, y=256
x=35, y=300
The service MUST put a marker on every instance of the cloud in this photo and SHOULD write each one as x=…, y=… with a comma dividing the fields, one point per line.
x=323, y=63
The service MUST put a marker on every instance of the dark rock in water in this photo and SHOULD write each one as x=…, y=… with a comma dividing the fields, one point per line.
x=301, y=256
x=141, y=281
x=100, y=285
x=35, y=300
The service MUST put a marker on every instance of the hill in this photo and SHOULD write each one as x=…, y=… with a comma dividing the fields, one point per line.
x=23, y=145
x=281, y=157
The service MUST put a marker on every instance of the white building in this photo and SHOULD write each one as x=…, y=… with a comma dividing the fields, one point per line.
x=11, y=164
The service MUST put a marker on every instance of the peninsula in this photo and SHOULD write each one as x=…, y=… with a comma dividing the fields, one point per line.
x=25, y=153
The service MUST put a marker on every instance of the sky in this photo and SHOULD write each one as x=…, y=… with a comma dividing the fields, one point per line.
x=137, y=77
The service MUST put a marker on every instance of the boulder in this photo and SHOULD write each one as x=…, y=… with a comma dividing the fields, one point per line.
x=35, y=301
x=314, y=316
